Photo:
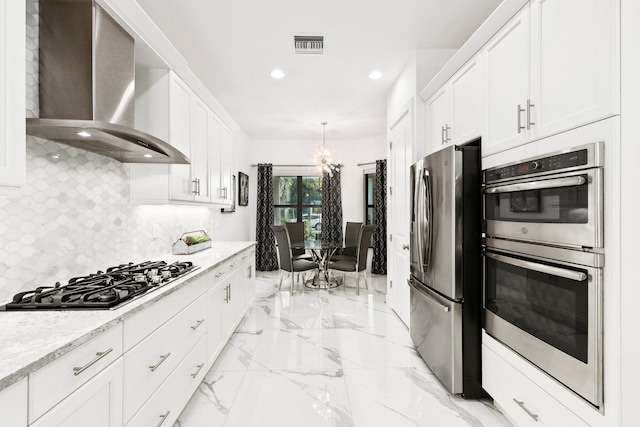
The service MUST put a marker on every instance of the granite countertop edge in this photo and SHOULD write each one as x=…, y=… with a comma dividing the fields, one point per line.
x=17, y=362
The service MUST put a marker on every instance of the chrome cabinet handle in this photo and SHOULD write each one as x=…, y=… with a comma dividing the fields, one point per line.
x=219, y=274
x=570, y=181
x=162, y=359
x=524, y=408
x=195, y=374
x=529, y=106
x=229, y=290
x=405, y=247
x=249, y=275
x=447, y=128
x=227, y=297
x=577, y=276
x=233, y=265
x=164, y=418
x=99, y=355
x=196, y=183
x=520, y=110
x=197, y=325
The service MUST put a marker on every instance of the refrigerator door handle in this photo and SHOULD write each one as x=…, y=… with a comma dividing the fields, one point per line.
x=426, y=296
x=425, y=220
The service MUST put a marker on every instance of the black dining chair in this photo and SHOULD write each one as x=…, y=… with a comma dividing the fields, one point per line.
x=296, y=234
x=351, y=233
x=285, y=257
x=358, y=264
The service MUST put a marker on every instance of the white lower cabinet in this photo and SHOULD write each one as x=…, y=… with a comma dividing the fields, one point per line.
x=143, y=371
x=150, y=362
x=164, y=406
x=97, y=403
x=519, y=398
x=15, y=397
x=52, y=383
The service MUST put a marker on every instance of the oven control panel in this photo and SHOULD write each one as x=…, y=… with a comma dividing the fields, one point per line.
x=536, y=166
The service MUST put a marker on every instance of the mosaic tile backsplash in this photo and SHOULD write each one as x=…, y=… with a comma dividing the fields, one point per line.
x=74, y=215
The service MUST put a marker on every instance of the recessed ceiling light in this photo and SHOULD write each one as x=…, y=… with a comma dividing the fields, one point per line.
x=84, y=134
x=148, y=156
x=375, y=75
x=277, y=74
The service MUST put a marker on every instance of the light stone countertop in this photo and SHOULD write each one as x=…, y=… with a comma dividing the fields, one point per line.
x=30, y=340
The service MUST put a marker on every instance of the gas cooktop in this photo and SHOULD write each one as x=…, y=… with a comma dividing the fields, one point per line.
x=101, y=290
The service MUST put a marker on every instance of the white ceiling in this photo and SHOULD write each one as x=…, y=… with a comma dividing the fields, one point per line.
x=232, y=46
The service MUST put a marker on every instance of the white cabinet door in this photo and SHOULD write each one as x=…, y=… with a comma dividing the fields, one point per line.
x=200, y=174
x=97, y=403
x=13, y=401
x=226, y=160
x=12, y=97
x=228, y=306
x=573, y=52
x=215, y=299
x=466, y=91
x=180, y=137
x=507, y=66
x=438, y=110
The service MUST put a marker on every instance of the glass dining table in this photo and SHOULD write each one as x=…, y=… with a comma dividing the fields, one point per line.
x=321, y=251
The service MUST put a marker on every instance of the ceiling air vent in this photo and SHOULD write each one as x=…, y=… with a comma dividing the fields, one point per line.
x=308, y=45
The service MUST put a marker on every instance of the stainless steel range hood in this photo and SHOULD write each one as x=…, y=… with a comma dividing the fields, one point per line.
x=87, y=85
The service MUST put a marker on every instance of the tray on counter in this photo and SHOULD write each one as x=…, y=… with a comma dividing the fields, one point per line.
x=191, y=242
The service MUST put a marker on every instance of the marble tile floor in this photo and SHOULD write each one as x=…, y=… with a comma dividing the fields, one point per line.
x=326, y=358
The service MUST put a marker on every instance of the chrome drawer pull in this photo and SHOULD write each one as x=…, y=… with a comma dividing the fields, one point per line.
x=233, y=265
x=198, y=323
x=77, y=371
x=524, y=408
x=195, y=374
x=164, y=418
x=162, y=359
x=219, y=274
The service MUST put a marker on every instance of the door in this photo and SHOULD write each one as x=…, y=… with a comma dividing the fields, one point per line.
x=180, y=137
x=438, y=119
x=574, y=74
x=399, y=218
x=507, y=68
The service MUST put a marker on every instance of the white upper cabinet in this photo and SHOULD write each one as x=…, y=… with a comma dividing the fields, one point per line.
x=438, y=111
x=167, y=108
x=454, y=112
x=550, y=69
x=466, y=102
x=573, y=48
x=12, y=98
x=507, y=83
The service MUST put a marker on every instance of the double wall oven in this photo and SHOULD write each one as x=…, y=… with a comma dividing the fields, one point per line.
x=543, y=263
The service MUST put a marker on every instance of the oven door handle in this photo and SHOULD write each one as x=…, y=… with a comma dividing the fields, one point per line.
x=571, y=181
x=578, y=276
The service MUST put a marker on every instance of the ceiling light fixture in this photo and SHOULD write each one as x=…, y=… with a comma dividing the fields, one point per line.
x=375, y=75
x=322, y=156
x=84, y=134
x=277, y=74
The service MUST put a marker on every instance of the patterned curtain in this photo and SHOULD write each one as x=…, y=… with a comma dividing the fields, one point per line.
x=379, y=261
x=266, y=256
x=331, y=207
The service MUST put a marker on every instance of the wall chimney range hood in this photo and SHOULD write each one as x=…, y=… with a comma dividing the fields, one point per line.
x=87, y=85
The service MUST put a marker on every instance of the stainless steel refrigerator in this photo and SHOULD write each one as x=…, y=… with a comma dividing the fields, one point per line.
x=445, y=320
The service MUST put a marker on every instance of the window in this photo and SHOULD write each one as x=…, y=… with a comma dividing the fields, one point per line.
x=369, y=196
x=299, y=199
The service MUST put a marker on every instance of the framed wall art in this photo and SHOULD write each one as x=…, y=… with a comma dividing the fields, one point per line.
x=243, y=189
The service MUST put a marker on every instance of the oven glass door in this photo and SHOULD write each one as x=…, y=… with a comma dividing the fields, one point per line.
x=569, y=205
x=546, y=300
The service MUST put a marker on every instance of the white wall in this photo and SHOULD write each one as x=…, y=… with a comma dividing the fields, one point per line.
x=349, y=153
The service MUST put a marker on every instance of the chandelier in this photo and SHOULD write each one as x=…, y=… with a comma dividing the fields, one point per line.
x=322, y=155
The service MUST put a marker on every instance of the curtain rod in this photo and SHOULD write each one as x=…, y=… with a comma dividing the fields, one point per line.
x=294, y=166
x=368, y=163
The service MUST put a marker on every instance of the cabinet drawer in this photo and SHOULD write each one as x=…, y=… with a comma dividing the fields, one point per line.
x=149, y=363
x=52, y=383
x=144, y=323
x=168, y=402
x=522, y=401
